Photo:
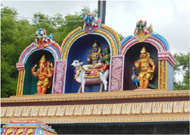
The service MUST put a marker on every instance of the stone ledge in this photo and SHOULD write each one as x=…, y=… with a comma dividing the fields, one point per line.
x=130, y=94
x=108, y=119
x=123, y=110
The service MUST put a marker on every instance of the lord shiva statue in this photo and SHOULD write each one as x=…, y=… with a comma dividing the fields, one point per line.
x=97, y=61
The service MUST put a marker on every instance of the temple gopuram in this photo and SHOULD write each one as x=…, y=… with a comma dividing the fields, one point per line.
x=95, y=83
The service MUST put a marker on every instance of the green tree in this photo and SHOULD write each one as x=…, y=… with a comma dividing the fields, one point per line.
x=69, y=23
x=8, y=50
x=181, y=67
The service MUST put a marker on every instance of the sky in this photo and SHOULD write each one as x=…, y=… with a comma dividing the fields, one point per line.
x=169, y=18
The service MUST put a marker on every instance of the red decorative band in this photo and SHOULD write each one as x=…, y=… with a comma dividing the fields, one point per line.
x=167, y=56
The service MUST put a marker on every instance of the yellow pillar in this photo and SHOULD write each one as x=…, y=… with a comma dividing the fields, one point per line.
x=20, y=83
x=162, y=74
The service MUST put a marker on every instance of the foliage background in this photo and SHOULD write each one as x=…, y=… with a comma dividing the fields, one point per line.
x=17, y=34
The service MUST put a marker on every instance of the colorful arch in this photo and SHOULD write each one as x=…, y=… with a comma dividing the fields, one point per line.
x=106, y=32
x=156, y=40
x=53, y=48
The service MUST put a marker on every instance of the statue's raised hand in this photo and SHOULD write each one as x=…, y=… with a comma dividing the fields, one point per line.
x=33, y=68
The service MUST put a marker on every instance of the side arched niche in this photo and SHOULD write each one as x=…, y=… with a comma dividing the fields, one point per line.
x=158, y=48
x=27, y=83
x=132, y=55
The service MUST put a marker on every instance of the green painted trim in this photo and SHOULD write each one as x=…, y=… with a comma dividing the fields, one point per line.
x=92, y=34
x=106, y=31
x=68, y=42
x=113, y=37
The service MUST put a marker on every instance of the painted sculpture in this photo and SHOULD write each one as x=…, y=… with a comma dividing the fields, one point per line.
x=94, y=61
x=141, y=31
x=27, y=127
x=97, y=69
x=146, y=68
x=80, y=76
x=94, y=58
x=42, y=41
x=91, y=24
x=44, y=74
x=105, y=59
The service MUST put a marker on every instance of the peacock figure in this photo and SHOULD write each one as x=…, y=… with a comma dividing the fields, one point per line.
x=134, y=77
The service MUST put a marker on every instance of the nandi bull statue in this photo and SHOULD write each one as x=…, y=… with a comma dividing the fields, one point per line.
x=82, y=77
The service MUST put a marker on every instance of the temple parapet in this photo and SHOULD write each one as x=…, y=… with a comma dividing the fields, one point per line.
x=100, y=61
x=113, y=107
x=94, y=78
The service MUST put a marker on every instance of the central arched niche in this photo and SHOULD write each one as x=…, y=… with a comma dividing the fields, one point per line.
x=30, y=82
x=132, y=55
x=80, y=49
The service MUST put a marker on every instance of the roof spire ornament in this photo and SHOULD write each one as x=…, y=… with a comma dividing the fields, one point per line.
x=141, y=31
x=91, y=24
x=42, y=41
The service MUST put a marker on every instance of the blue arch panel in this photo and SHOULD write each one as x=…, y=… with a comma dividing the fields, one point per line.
x=80, y=49
x=162, y=39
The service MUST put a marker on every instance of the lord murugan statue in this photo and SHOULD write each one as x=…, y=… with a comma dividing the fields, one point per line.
x=146, y=68
x=44, y=74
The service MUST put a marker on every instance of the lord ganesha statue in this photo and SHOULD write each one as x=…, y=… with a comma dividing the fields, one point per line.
x=44, y=74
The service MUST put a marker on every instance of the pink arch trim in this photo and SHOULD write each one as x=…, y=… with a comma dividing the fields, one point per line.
x=152, y=40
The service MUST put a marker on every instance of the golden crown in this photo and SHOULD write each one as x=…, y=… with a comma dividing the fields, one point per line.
x=43, y=58
x=95, y=45
x=143, y=50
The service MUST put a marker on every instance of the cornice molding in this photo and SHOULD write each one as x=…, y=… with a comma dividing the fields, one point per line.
x=129, y=94
x=101, y=113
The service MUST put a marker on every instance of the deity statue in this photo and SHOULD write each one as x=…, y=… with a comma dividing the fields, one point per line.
x=91, y=24
x=147, y=68
x=97, y=70
x=105, y=58
x=44, y=74
x=42, y=41
x=94, y=58
x=97, y=61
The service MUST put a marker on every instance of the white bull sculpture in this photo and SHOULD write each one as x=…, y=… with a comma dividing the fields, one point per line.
x=80, y=76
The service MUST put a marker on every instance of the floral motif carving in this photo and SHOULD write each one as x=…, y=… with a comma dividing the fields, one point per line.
x=59, y=77
x=116, y=76
x=144, y=111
